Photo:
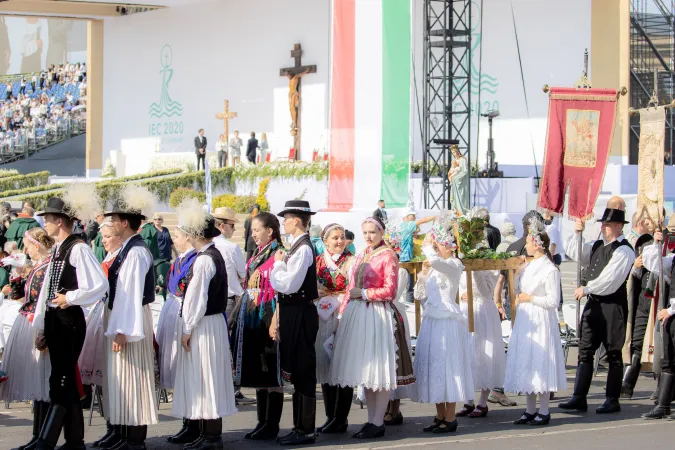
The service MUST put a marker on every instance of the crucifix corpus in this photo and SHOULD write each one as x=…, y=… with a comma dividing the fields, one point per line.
x=225, y=116
x=294, y=74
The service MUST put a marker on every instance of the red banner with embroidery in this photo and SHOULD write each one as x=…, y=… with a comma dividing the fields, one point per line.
x=578, y=142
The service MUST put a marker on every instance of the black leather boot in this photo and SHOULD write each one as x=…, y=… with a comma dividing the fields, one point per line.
x=270, y=430
x=261, y=411
x=613, y=390
x=630, y=377
x=39, y=412
x=329, y=398
x=304, y=432
x=342, y=407
x=581, y=387
x=211, y=436
x=110, y=430
x=114, y=439
x=189, y=435
x=181, y=432
x=296, y=409
x=134, y=438
x=73, y=428
x=51, y=430
x=665, y=398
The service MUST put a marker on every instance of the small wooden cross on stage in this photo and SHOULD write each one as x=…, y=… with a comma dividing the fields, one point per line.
x=225, y=116
x=294, y=74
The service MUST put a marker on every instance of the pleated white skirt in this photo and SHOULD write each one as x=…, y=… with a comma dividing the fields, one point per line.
x=204, y=388
x=92, y=357
x=27, y=368
x=489, y=360
x=323, y=361
x=443, y=362
x=365, y=351
x=169, y=331
x=129, y=384
x=535, y=363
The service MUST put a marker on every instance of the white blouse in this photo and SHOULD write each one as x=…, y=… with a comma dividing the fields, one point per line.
x=483, y=282
x=541, y=279
x=438, y=289
x=197, y=294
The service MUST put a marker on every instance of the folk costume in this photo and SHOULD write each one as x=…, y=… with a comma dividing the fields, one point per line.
x=535, y=364
x=129, y=380
x=603, y=321
x=256, y=355
x=204, y=392
x=28, y=368
x=333, y=277
x=295, y=281
x=75, y=272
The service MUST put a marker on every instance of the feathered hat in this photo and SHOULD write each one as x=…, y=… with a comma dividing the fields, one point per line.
x=134, y=201
x=79, y=201
x=195, y=221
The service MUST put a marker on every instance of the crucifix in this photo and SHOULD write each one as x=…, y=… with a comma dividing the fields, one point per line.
x=225, y=116
x=294, y=74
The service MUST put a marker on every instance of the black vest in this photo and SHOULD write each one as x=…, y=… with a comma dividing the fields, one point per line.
x=600, y=256
x=308, y=292
x=113, y=273
x=62, y=275
x=217, y=294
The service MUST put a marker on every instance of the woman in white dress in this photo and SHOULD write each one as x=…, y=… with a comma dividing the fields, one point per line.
x=370, y=348
x=535, y=363
x=27, y=368
x=443, y=354
x=332, y=273
x=489, y=359
x=204, y=391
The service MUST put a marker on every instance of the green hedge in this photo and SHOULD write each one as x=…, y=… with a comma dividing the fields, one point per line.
x=24, y=181
x=8, y=173
x=180, y=194
x=316, y=170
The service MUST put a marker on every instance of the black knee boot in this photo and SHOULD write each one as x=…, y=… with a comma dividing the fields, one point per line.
x=114, y=439
x=135, y=437
x=270, y=430
x=51, y=430
x=73, y=428
x=342, y=407
x=210, y=437
x=666, y=384
x=611, y=404
x=189, y=432
x=261, y=410
x=329, y=399
x=304, y=432
x=630, y=377
x=40, y=410
x=110, y=430
x=581, y=388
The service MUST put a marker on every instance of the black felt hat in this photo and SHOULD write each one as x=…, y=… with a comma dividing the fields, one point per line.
x=613, y=215
x=119, y=209
x=643, y=240
x=211, y=230
x=58, y=207
x=297, y=207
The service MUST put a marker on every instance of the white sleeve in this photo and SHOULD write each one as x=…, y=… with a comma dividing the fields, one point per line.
x=552, y=298
x=92, y=283
x=126, y=316
x=650, y=259
x=239, y=262
x=614, y=274
x=572, y=249
x=485, y=282
x=447, y=267
x=197, y=295
x=287, y=278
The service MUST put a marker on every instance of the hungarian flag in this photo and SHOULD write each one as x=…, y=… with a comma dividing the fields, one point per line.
x=578, y=143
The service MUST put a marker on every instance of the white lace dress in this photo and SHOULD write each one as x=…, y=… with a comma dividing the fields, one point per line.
x=535, y=363
x=489, y=360
x=443, y=354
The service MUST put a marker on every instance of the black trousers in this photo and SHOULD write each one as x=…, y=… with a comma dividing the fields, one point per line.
x=201, y=157
x=640, y=321
x=65, y=330
x=602, y=323
x=668, y=360
x=298, y=327
x=251, y=158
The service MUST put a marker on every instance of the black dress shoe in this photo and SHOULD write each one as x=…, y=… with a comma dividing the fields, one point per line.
x=446, y=427
x=658, y=412
x=297, y=437
x=525, y=419
x=362, y=429
x=395, y=420
x=540, y=420
x=370, y=431
x=575, y=404
x=610, y=406
x=433, y=425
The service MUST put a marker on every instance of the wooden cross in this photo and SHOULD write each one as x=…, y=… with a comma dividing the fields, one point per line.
x=225, y=116
x=294, y=75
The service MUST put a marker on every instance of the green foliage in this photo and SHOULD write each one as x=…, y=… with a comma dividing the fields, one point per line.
x=29, y=190
x=24, y=181
x=8, y=173
x=109, y=170
x=182, y=193
x=471, y=233
x=239, y=203
x=488, y=253
x=261, y=198
x=316, y=170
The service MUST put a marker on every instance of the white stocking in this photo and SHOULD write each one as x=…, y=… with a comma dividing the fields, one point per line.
x=484, y=394
x=371, y=404
x=381, y=402
x=531, y=403
x=543, y=403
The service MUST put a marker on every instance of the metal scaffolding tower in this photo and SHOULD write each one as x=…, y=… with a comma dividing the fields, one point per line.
x=447, y=93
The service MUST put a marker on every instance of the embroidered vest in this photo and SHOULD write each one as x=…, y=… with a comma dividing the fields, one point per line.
x=114, y=270
x=62, y=275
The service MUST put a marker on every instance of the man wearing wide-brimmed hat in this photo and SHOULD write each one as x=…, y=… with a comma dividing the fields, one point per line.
x=235, y=263
x=607, y=263
x=294, y=279
x=129, y=378
x=74, y=279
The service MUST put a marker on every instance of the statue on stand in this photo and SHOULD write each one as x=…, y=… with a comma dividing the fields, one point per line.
x=459, y=181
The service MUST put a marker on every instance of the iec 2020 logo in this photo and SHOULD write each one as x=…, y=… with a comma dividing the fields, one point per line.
x=165, y=108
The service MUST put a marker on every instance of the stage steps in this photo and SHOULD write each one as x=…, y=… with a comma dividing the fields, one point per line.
x=171, y=221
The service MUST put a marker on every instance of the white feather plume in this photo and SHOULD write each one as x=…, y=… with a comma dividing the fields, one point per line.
x=192, y=217
x=83, y=200
x=135, y=197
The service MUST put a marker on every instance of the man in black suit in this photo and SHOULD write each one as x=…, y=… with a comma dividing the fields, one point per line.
x=252, y=148
x=380, y=213
x=200, y=148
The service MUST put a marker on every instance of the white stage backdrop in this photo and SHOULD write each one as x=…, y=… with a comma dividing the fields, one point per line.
x=167, y=73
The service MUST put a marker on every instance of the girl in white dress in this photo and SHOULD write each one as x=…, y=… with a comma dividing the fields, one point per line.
x=488, y=359
x=535, y=362
x=443, y=353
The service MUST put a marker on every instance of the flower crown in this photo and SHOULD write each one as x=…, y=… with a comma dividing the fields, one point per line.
x=536, y=230
x=442, y=231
